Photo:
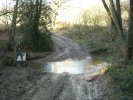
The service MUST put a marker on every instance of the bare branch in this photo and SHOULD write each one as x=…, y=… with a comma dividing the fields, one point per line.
x=5, y=13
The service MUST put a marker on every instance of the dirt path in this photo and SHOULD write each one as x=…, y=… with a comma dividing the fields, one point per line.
x=64, y=48
x=28, y=84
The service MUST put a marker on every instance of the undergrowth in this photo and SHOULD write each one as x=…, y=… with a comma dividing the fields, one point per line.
x=122, y=80
x=97, y=38
x=44, y=43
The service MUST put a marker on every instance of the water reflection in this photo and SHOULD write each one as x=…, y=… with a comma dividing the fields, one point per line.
x=76, y=66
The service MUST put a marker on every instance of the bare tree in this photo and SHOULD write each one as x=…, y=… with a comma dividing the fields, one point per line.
x=91, y=17
x=57, y=5
x=5, y=15
x=13, y=29
x=6, y=9
x=118, y=8
x=130, y=34
x=115, y=15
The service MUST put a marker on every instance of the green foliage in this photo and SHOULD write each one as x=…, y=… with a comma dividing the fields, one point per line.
x=122, y=79
x=7, y=61
x=27, y=13
x=34, y=25
x=6, y=58
x=3, y=44
x=44, y=43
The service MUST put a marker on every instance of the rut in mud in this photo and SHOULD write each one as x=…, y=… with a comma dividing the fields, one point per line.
x=37, y=85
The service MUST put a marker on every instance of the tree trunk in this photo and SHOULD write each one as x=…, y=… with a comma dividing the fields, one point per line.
x=13, y=30
x=130, y=34
x=38, y=10
x=36, y=23
x=31, y=11
x=113, y=27
x=116, y=18
x=118, y=8
x=113, y=31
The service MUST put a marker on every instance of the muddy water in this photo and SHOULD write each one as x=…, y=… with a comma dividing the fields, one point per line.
x=77, y=61
x=76, y=66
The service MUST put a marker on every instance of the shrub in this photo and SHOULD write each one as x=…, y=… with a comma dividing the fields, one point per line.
x=44, y=43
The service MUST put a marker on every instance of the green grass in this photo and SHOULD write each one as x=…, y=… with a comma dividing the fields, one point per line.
x=122, y=81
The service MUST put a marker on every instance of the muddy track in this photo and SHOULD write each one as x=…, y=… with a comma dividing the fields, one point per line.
x=34, y=85
x=67, y=86
x=64, y=48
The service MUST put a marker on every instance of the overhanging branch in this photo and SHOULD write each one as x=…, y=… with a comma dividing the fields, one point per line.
x=5, y=13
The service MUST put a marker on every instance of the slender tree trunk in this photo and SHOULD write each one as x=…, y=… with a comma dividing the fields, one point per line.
x=130, y=34
x=31, y=18
x=38, y=10
x=13, y=30
x=118, y=8
x=113, y=31
x=113, y=27
x=116, y=18
x=36, y=30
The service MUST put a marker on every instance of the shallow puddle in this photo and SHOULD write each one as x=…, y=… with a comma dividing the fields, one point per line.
x=76, y=66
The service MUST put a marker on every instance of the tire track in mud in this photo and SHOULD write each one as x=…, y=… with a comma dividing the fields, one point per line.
x=63, y=86
x=31, y=90
x=67, y=47
x=51, y=89
x=51, y=86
